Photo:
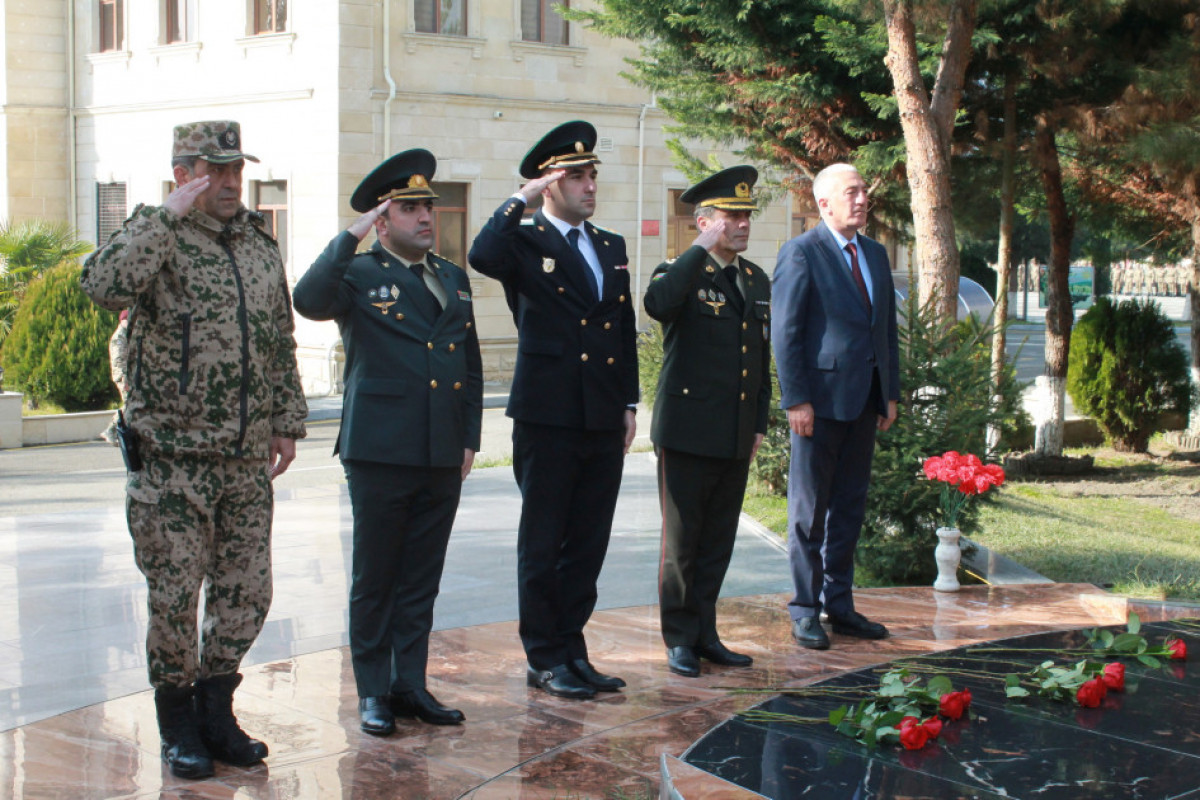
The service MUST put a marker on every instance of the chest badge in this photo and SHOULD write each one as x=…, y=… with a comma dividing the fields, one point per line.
x=384, y=305
x=547, y=265
x=714, y=300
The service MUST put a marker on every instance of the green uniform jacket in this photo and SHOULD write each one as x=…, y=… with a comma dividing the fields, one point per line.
x=413, y=391
x=714, y=390
x=211, y=360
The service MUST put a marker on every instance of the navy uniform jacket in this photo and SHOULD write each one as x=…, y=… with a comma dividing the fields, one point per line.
x=827, y=345
x=714, y=390
x=576, y=357
x=413, y=391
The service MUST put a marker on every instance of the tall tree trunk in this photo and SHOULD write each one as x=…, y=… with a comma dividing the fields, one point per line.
x=1059, y=315
x=1004, y=251
x=1191, y=191
x=927, y=126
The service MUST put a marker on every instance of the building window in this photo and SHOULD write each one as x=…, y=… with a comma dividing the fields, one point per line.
x=110, y=210
x=269, y=198
x=270, y=16
x=540, y=22
x=179, y=21
x=112, y=25
x=450, y=222
x=447, y=17
x=805, y=214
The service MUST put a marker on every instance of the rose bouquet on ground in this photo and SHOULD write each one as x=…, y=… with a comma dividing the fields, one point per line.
x=962, y=477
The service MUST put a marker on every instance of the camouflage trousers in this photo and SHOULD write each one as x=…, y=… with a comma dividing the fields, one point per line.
x=201, y=522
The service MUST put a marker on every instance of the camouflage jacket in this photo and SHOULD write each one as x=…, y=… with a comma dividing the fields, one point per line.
x=211, y=361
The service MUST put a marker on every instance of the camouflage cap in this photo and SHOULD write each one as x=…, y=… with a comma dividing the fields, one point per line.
x=216, y=141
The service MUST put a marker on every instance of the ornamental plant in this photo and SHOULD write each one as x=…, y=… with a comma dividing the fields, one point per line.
x=962, y=477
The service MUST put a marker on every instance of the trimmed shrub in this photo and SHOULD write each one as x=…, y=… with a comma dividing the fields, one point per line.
x=58, y=347
x=1126, y=369
x=650, y=359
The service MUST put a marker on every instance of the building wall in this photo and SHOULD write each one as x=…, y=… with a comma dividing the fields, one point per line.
x=33, y=110
x=316, y=106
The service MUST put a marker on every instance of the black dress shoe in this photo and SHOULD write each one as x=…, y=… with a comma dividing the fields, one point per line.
x=375, y=716
x=682, y=661
x=855, y=624
x=559, y=681
x=584, y=670
x=421, y=704
x=807, y=632
x=718, y=653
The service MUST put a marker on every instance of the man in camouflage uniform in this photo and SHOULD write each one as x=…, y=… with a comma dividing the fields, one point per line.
x=216, y=406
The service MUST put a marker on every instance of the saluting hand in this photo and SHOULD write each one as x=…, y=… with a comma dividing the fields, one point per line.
x=710, y=236
x=531, y=190
x=360, y=226
x=180, y=201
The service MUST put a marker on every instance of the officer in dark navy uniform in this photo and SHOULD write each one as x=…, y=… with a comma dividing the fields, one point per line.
x=410, y=425
x=573, y=397
x=710, y=412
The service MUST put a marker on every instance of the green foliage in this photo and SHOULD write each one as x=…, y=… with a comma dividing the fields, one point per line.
x=1126, y=368
x=27, y=249
x=58, y=347
x=650, y=359
x=770, y=467
x=946, y=404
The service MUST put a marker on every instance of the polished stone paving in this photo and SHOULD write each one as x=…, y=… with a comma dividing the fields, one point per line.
x=77, y=721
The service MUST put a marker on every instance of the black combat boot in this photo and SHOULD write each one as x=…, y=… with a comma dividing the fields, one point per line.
x=218, y=726
x=179, y=730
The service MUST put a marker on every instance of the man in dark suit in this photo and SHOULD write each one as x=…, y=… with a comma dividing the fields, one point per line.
x=836, y=353
x=573, y=397
x=710, y=413
x=410, y=426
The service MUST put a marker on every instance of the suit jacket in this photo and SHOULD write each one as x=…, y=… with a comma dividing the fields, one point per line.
x=576, y=356
x=413, y=389
x=714, y=389
x=827, y=344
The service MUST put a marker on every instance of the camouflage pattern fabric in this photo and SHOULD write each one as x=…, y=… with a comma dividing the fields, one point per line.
x=195, y=520
x=212, y=362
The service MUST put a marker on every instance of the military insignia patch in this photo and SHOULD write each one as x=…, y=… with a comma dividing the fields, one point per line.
x=547, y=265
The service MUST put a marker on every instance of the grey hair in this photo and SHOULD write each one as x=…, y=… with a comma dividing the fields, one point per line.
x=703, y=211
x=821, y=183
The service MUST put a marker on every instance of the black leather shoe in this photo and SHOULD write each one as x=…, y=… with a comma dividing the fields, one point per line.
x=584, y=670
x=855, y=624
x=718, y=653
x=682, y=661
x=807, y=632
x=559, y=681
x=421, y=704
x=375, y=717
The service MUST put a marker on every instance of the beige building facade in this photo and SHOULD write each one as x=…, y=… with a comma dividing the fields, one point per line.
x=325, y=91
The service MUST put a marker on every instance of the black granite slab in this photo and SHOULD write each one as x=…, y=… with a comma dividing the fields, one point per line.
x=1143, y=743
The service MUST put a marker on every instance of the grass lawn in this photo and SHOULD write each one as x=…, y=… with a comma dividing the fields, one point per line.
x=1116, y=542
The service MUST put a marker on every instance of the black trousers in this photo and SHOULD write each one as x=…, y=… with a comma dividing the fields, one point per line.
x=402, y=521
x=701, y=501
x=569, y=482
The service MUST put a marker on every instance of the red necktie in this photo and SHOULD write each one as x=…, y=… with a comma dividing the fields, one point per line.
x=856, y=273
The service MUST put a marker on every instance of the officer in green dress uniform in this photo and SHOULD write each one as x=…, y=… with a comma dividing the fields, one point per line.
x=411, y=420
x=710, y=413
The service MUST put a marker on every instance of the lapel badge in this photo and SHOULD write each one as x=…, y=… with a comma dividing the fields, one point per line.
x=547, y=265
x=383, y=291
x=702, y=295
x=709, y=269
x=372, y=293
x=395, y=292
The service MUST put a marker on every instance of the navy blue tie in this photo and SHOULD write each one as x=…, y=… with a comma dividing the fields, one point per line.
x=573, y=238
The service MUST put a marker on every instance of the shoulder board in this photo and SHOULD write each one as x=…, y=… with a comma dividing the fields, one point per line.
x=603, y=230
x=439, y=257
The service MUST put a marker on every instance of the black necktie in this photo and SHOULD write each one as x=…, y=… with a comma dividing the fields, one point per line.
x=735, y=294
x=856, y=273
x=573, y=238
x=424, y=298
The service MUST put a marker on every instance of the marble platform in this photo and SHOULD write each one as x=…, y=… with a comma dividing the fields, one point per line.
x=518, y=742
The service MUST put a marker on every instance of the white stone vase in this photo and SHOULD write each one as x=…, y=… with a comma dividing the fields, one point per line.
x=947, y=554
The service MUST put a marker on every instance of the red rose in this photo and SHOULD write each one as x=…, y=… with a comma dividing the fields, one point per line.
x=966, y=693
x=1114, y=677
x=914, y=737
x=995, y=473
x=953, y=704
x=1178, y=648
x=932, y=726
x=1091, y=693
x=908, y=722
